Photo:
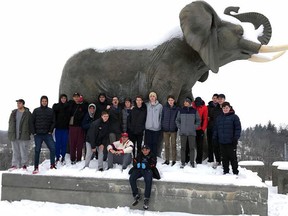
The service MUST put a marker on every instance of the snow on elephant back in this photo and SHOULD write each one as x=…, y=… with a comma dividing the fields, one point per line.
x=173, y=67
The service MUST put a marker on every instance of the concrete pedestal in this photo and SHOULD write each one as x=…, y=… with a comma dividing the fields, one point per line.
x=275, y=171
x=166, y=196
x=254, y=166
x=282, y=179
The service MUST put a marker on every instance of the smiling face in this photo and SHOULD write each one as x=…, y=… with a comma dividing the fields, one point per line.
x=226, y=109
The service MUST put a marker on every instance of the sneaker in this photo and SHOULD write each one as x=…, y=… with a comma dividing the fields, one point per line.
x=215, y=165
x=73, y=162
x=36, y=171
x=12, y=168
x=101, y=169
x=166, y=162
x=193, y=164
x=24, y=167
x=173, y=163
x=53, y=166
x=146, y=204
x=136, y=200
x=182, y=165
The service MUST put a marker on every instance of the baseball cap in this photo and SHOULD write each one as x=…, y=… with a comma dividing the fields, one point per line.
x=21, y=101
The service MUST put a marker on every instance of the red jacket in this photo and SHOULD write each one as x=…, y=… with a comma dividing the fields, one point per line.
x=203, y=113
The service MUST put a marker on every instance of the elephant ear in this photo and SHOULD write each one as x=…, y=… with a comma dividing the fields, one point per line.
x=199, y=23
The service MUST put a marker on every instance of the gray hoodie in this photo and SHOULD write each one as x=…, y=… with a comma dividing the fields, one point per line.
x=153, y=118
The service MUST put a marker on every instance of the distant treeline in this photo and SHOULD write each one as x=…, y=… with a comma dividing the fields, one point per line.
x=265, y=143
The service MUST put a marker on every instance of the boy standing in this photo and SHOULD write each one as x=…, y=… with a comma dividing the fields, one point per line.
x=227, y=132
x=19, y=135
x=43, y=123
x=187, y=121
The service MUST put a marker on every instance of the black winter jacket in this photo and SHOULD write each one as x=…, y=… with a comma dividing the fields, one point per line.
x=211, y=107
x=43, y=120
x=137, y=119
x=115, y=119
x=78, y=111
x=148, y=162
x=169, y=115
x=62, y=115
x=227, y=128
x=98, y=133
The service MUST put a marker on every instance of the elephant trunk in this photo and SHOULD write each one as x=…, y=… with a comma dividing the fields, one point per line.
x=256, y=19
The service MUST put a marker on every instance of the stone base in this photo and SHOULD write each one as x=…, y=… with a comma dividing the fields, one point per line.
x=166, y=196
x=254, y=166
x=275, y=174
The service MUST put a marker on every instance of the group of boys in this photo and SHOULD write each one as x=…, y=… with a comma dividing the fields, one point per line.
x=116, y=133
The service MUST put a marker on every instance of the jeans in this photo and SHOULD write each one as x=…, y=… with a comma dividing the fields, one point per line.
x=148, y=178
x=48, y=139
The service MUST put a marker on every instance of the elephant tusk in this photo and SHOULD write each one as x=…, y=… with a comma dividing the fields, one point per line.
x=258, y=58
x=266, y=49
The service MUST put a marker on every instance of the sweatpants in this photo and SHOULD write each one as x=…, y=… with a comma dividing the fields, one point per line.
x=76, y=142
x=61, y=139
x=89, y=154
x=20, y=152
x=123, y=159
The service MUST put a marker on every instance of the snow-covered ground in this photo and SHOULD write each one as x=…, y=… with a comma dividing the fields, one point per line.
x=277, y=205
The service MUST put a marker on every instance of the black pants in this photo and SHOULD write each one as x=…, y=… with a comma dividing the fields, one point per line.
x=229, y=155
x=199, y=146
x=210, y=144
x=148, y=178
x=137, y=141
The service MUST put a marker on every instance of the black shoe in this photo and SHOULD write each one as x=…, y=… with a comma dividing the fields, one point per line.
x=173, y=163
x=73, y=162
x=146, y=204
x=101, y=169
x=193, y=165
x=166, y=162
x=136, y=200
x=182, y=165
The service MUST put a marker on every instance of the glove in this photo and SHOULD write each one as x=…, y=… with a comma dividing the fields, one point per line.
x=200, y=132
x=138, y=165
x=143, y=166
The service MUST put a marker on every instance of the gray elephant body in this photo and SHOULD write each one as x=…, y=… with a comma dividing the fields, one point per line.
x=168, y=69
x=171, y=68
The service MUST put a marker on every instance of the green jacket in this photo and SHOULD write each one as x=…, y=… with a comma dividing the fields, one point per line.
x=25, y=126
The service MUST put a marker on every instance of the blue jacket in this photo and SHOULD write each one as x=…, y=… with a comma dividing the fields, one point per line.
x=227, y=128
x=169, y=115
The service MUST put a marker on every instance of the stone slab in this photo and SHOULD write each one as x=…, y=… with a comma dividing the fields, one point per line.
x=166, y=196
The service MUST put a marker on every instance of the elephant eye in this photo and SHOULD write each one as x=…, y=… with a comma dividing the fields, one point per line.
x=239, y=30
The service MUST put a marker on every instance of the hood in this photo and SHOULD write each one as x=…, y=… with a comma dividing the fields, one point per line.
x=44, y=97
x=62, y=95
x=211, y=104
x=92, y=114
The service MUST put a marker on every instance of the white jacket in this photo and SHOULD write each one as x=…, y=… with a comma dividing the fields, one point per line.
x=125, y=148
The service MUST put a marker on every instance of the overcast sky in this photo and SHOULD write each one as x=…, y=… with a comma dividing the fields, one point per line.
x=37, y=38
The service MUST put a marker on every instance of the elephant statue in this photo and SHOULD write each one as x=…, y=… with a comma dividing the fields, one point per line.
x=173, y=67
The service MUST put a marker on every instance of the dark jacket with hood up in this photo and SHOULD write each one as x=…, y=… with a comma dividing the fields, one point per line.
x=43, y=119
x=62, y=113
